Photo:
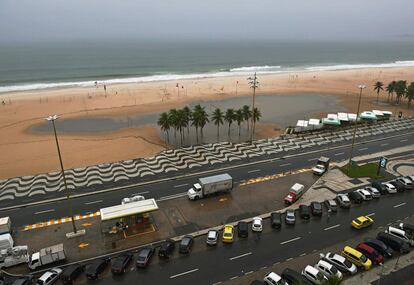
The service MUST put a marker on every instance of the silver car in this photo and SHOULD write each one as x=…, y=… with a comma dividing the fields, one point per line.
x=408, y=184
x=290, y=217
x=374, y=192
x=212, y=237
x=49, y=277
x=339, y=262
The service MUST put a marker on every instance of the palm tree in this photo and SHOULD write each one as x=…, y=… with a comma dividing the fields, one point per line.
x=203, y=120
x=172, y=114
x=410, y=94
x=187, y=112
x=217, y=118
x=229, y=117
x=181, y=123
x=195, y=118
x=390, y=89
x=238, y=116
x=400, y=89
x=256, y=115
x=164, y=123
x=247, y=114
x=378, y=86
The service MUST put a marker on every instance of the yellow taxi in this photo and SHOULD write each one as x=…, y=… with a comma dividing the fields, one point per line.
x=228, y=233
x=362, y=222
x=356, y=257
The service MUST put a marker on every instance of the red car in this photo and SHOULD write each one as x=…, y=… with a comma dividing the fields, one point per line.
x=371, y=253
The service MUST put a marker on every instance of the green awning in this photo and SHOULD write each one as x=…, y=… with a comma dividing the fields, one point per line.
x=331, y=121
x=368, y=115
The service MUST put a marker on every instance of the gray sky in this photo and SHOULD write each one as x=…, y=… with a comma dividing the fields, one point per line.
x=55, y=20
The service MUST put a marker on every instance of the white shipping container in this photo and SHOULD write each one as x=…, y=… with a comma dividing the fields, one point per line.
x=6, y=241
x=5, y=225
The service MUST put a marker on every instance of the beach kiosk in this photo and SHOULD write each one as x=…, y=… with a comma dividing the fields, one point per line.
x=330, y=122
x=315, y=124
x=368, y=116
x=301, y=126
x=130, y=215
x=343, y=117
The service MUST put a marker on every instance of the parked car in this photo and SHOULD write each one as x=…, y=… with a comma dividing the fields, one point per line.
x=166, y=248
x=395, y=243
x=228, y=234
x=71, y=273
x=390, y=188
x=186, y=244
x=242, y=229
x=408, y=228
x=374, y=192
x=401, y=234
x=371, y=253
x=257, y=225
x=398, y=185
x=340, y=262
x=272, y=278
x=343, y=201
x=143, y=257
x=380, y=187
x=120, y=263
x=328, y=269
x=316, y=208
x=313, y=275
x=276, y=220
x=356, y=257
x=408, y=184
x=290, y=218
x=331, y=205
x=365, y=194
x=304, y=212
x=135, y=198
x=212, y=237
x=379, y=246
x=355, y=197
x=411, y=177
x=49, y=277
x=362, y=222
x=294, y=277
x=95, y=268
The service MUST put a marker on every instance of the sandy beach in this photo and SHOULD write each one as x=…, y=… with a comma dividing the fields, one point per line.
x=26, y=153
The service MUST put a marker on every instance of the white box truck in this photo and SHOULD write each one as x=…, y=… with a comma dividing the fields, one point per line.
x=6, y=241
x=210, y=185
x=5, y=225
x=47, y=255
x=14, y=256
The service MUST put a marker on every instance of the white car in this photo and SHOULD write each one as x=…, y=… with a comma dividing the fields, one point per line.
x=328, y=269
x=339, y=262
x=365, y=194
x=314, y=275
x=272, y=278
x=390, y=188
x=319, y=169
x=49, y=277
x=212, y=237
x=374, y=191
x=257, y=224
x=401, y=234
x=135, y=198
x=408, y=184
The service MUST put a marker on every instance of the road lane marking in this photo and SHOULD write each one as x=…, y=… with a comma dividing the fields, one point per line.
x=217, y=283
x=369, y=215
x=247, y=273
x=339, y=153
x=255, y=170
x=181, y=185
x=172, y=197
x=140, y=193
x=289, y=259
x=94, y=202
x=184, y=273
x=332, y=227
x=234, y=277
x=286, y=164
x=385, y=144
x=240, y=256
x=312, y=159
x=404, y=140
x=364, y=148
x=45, y=211
x=399, y=205
x=291, y=240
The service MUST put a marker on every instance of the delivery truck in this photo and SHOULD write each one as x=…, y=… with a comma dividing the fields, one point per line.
x=5, y=225
x=14, y=256
x=6, y=241
x=321, y=166
x=294, y=193
x=47, y=255
x=210, y=185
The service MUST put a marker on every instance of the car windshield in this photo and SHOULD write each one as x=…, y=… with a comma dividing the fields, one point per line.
x=334, y=270
x=347, y=263
x=363, y=258
x=227, y=234
x=319, y=276
x=185, y=241
x=317, y=206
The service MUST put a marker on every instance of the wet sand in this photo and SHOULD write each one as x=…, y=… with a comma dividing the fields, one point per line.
x=25, y=152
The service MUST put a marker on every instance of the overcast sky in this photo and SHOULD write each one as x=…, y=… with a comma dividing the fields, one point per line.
x=56, y=20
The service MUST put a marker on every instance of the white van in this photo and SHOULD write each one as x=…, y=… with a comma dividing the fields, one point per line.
x=400, y=234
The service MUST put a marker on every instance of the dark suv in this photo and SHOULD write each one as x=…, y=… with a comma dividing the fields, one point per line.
x=380, y=187
x=71, y=273
x=276, y=220
x=186, y=244
x=167, y=247
x=316, y=208
x=355, y=197
x=304, y=212
x=95, y=268
x=143, y=257
x=243, y=229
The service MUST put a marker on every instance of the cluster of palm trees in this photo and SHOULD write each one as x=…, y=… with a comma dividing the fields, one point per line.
x=399, y=88
x=180, y=120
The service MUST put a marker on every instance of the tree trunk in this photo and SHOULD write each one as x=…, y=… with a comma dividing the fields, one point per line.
x=229, y=130
x=218, y=132
x=377, y=97
x=197, y=134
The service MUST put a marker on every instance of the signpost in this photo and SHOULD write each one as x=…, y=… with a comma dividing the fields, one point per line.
x=382, y=164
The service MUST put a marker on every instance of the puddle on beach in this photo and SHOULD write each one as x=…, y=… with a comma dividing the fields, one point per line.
x=283, y=110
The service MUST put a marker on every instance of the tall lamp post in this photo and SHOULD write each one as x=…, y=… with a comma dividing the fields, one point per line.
x=75, y=231
x=355, y=127
x=253, y=84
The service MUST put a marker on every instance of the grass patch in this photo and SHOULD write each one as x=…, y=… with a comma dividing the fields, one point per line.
x=365, y=170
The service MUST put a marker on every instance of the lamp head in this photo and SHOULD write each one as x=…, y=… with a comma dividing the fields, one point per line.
x=52, y=118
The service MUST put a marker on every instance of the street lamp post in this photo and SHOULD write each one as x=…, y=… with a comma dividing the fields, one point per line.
x=75, y=231
x=253, y=84
x=356, y=126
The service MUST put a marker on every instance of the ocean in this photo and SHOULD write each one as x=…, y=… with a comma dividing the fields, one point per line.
x=51, y=65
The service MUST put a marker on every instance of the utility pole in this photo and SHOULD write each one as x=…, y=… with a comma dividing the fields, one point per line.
x=355, y=127
x=253, y=84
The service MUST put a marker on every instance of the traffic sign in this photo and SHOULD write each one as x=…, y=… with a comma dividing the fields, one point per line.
x=383, y=162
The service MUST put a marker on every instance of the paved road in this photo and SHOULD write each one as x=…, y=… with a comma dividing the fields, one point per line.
x=210, y=265
x=164, y=190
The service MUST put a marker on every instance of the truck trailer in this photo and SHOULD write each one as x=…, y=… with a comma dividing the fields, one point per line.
x=14, y=256
x=210, y=185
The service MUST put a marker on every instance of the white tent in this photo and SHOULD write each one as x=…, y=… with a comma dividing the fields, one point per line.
x=332, y=116
x=352, y=116
x=343, y=117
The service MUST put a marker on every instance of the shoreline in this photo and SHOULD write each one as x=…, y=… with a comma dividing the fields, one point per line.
x=28, y=108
